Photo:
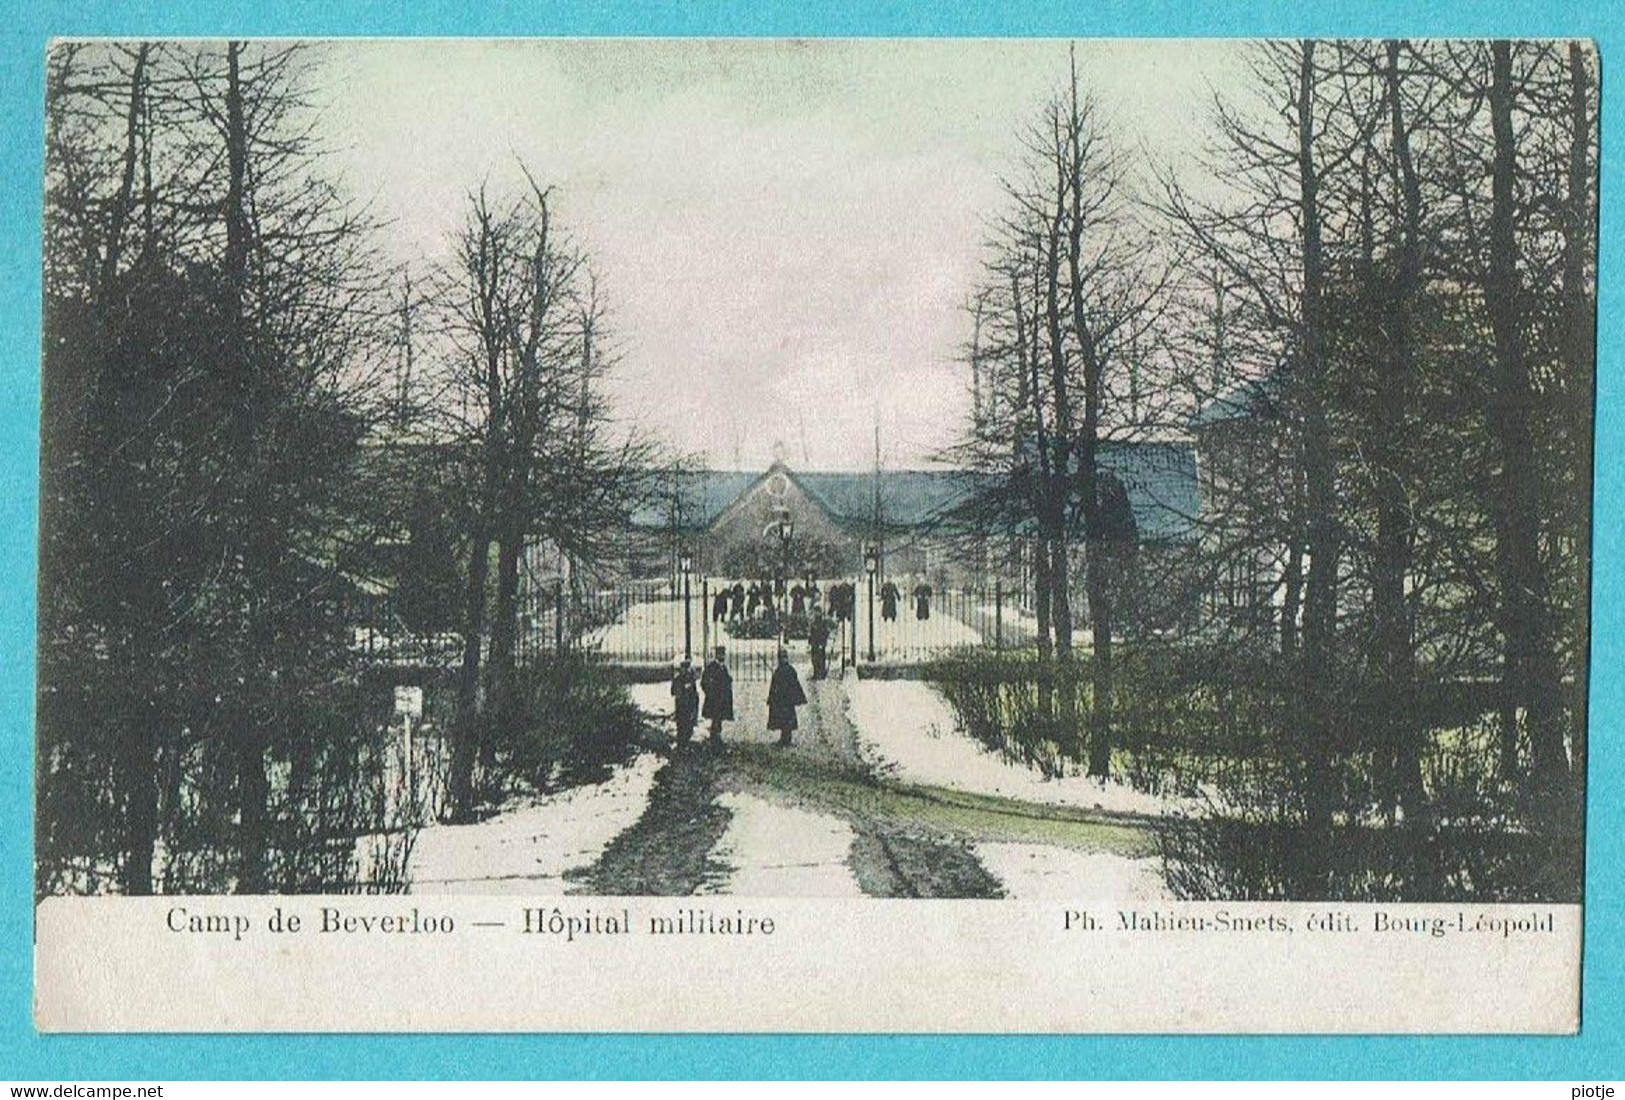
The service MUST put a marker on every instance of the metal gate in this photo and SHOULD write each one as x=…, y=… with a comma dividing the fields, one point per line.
x=652, y=625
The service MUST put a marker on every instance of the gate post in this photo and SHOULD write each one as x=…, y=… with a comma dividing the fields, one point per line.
x=688, y=620
x=998, y=616
x=852, y=625
x=871, y=617
x=558, y=618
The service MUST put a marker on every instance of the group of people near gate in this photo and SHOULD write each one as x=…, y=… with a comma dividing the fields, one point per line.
x=709, y=694
x=716, y=684
x=762, y=598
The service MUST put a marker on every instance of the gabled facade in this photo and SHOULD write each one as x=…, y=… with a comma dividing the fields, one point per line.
x=729, y=521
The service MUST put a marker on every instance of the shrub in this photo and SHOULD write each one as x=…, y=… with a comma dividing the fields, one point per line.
x=767, y=626
x=573, y=722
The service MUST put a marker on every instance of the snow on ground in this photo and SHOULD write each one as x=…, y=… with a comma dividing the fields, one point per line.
x=1040, y=872
x=1012, y=615
x=779, y=852
x=647, y=631
x=652, y=633
x=904, y=725
x=655, y=699
x=908, y=636
x=527, y=849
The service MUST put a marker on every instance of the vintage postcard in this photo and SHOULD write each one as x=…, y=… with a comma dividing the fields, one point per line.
x=766, y=535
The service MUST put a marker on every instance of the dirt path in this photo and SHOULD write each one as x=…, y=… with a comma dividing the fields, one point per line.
x=906, y=840
x=890, y=857
x=668, y=851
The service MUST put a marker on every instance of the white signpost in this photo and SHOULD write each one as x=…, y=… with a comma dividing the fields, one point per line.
x=409, y=705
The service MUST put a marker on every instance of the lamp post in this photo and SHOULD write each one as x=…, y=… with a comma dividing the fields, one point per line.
x=787, y=528
x=871, y=565
x=685, y=562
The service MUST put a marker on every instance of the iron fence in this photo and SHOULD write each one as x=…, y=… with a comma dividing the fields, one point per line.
x=650, y=625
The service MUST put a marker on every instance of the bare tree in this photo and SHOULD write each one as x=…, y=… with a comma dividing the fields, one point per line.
x=525, y=322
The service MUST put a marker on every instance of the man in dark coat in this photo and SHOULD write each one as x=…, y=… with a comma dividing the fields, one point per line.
x=922, y=601
x=798, y=600
x=842, y=598
x=738, y=593
x=818, y=638
x=753, y=600
x=784, y=695
x=718, y=684
x=719, y=605
x=686, y=699
x=888, y=601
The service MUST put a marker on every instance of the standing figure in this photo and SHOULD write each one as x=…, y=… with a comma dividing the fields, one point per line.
x=818, y=637
x=842, y=597
x=753, y=600
x=889, y=595
x=719, y=605
x=737, y=611
x=718, y=684
x=784, y=695
x=798, y=600
x=686, y=699
x=922, y=601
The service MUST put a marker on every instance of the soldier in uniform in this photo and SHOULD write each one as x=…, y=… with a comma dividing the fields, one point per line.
x=718, y=684
x=686, y=701
x=889, y=596
x=784, y=695
x=818, y=638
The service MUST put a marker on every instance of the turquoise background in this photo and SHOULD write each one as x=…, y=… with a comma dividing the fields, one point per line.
x=26, y=27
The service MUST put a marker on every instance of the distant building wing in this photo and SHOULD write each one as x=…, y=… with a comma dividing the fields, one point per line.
x=1248, y=397
x=1160, y=479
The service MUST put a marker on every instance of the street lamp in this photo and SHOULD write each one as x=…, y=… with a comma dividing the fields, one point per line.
x=685, y=562
x=787, y=528
x=871, y=565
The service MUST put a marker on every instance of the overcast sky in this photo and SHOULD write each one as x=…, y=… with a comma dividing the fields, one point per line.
x=787, y=231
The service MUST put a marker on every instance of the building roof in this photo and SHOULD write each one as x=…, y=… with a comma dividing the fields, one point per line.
x=908, y=498
x=1160, y=478
x=1162, y=487
x=1248, y=397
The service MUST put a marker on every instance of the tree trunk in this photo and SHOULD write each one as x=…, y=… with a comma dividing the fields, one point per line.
x=1579, y=351
x=1530, y=676
x=136, y=615
x=1316, y=666
x=1292, y=582
x=500, y=701
x=253, y=786
x=465, y=746
x=1042, y=544
x=1392, y=565
x=1087, y=444
x=142, y=733
x=1057, y=473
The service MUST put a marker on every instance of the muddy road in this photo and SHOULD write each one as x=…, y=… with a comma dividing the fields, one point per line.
x=813, y=819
